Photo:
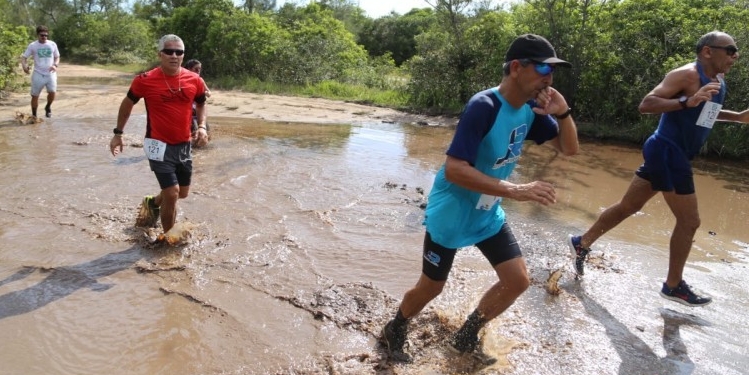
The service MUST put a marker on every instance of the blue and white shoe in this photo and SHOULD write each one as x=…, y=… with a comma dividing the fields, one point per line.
x=683, y=294
x=579, y=252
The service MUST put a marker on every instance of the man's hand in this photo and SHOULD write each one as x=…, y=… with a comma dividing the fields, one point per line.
x=705, y=93
x=201, y=137
x=115, y=145
x=537, y=191
x=550, y=102
x=26, y=69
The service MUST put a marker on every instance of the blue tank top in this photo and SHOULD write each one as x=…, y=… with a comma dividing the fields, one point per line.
x=680, y=127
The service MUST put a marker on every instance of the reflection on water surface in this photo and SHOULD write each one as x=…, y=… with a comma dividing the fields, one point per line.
x=307, y=236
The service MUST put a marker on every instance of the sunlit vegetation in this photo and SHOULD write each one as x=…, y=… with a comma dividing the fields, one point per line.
x=429, y=60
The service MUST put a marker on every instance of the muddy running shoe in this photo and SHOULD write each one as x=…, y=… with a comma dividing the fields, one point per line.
x=149, y=213
x=469, y=345
x=394, y=339
x=683, y=294
x=579, y=252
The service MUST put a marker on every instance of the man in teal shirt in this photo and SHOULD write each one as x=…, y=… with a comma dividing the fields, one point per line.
x=464, y=203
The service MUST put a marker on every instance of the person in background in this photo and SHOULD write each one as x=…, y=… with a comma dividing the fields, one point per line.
x=195, y=66
x=689, y=100
x=46, y=58
x=464, y=204
x=169, y=92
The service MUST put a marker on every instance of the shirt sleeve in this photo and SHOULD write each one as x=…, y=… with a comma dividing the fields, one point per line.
x=29, y=51
x=134, y=93
x=544, y=127
x=474, y=124
x=201, y=98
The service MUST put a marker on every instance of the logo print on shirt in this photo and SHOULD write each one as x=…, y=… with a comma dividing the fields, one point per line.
x=432, y=258
x=514, y=148
x=44, y=52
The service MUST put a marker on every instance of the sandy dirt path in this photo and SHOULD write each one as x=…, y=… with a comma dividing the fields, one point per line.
x=85, y=91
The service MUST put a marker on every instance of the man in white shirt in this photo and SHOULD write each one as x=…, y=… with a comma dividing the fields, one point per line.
x=46, y=56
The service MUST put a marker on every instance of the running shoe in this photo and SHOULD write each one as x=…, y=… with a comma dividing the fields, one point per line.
x=394, y=339
x=463, y=344
x=683, y=294
x=579, y=252
x=149, y=213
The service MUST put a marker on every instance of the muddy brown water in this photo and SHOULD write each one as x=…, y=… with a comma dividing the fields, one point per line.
x=306, y=238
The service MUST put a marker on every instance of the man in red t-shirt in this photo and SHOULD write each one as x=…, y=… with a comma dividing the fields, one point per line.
x=169, y=92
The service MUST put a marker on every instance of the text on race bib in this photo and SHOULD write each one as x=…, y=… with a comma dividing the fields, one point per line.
x=154, y=149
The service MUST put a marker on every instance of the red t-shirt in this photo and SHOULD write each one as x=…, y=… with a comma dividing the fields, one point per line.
x=168, y=102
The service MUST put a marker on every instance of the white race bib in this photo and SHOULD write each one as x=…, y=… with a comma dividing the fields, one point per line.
x=154, y=149
x=486, y=202
x=709, y=114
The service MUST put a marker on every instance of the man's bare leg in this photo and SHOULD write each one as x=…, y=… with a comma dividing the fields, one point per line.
x=638, y=193
x=684, y=208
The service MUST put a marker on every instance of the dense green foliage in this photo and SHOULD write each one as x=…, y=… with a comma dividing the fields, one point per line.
x=429, y=60
x=12, y=43
x=105, y=38
x=395, y=34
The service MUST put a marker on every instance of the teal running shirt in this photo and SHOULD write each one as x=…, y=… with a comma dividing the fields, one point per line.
x=489, y=136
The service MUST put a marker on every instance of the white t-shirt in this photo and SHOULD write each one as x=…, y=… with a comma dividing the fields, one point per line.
x=44, y=55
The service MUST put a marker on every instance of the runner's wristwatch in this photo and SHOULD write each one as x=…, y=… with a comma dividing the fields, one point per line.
x=565, y=114
x=117, y=131
x=683, y=101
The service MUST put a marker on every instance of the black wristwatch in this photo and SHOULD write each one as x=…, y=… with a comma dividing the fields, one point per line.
x=117, y=131
x=564, y=115
x=683, y=101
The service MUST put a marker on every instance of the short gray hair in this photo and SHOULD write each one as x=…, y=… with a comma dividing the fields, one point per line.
x=708, y=39
x=169, y=38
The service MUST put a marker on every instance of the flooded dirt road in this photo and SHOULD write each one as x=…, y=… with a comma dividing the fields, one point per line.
x=306, y=238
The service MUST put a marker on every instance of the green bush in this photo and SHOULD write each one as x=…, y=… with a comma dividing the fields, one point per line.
x=13, y=41
x=105, y=38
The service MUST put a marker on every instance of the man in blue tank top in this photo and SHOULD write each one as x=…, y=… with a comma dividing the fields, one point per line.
x=690, y=100
x=464, y=209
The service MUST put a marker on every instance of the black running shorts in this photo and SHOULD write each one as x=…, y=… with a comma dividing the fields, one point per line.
x=176, y=169
x=438, y=260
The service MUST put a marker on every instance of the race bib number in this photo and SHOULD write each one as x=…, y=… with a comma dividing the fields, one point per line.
x=154, y=148
x=486, y=202
x=709, y=114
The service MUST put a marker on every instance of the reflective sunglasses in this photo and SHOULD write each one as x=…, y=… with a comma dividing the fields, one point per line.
x=543, y=69
x=44, y=35
x=170, y=51
x=730, y=50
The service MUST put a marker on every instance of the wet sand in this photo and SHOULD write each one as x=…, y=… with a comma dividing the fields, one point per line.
x=308, y=233
x=91, y=92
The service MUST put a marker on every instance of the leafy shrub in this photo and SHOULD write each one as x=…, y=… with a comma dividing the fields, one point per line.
x=13, y=41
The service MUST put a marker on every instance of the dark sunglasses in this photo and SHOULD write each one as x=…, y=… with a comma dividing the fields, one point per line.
x=44, y=35
x=730, y=50
x=170, y=51
x=543, y=69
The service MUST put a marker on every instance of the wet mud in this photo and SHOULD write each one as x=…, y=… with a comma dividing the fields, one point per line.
x=300, y=239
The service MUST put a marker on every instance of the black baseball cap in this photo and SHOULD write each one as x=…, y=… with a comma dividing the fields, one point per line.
x=535, y=48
